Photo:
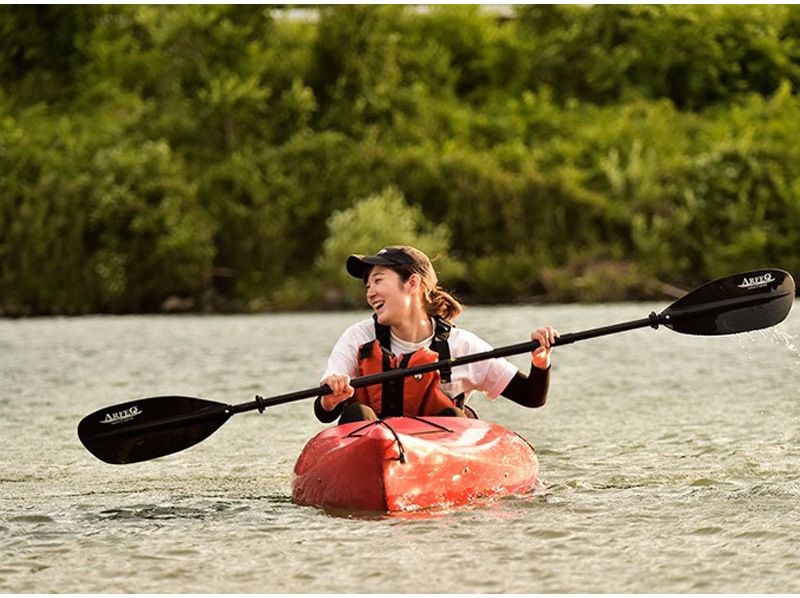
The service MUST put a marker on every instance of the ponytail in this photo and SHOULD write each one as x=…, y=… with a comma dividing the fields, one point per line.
x=439, y=302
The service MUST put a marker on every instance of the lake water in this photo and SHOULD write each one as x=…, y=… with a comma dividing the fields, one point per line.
x=671, y=464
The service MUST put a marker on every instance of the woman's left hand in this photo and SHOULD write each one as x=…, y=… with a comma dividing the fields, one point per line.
x=540, y=357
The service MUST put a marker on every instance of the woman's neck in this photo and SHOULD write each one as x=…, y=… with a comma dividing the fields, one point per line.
x=415, y=329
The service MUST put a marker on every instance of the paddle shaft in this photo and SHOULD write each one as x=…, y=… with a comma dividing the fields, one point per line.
x=260, y=403
x=654, y=320
x=154, y=427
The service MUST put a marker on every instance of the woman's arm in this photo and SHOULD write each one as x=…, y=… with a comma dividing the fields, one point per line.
x=530, y=390
x=328, y=407
x=343, y=358
x=324, y=415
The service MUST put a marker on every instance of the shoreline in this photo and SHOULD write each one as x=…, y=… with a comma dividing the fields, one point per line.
x=646, y=292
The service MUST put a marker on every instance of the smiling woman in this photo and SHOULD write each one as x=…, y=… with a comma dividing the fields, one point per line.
x=412, y=325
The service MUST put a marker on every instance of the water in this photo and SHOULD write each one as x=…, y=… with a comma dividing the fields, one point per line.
x=670, y=463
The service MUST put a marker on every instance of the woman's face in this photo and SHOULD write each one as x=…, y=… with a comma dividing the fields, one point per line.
x=390, y=297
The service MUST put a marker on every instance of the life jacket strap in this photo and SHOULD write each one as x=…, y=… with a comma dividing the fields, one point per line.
x=383, y=334
x=440, y=343
x=392, y=390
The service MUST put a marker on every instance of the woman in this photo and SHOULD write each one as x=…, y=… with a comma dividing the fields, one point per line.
x=411, y=325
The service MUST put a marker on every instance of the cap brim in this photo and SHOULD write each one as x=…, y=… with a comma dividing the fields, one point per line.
x=358, y=265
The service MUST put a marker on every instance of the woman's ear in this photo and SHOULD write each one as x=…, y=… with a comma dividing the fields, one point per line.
x=413, y=283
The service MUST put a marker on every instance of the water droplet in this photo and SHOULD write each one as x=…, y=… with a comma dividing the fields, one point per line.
x=748, y=341
x=780, y=336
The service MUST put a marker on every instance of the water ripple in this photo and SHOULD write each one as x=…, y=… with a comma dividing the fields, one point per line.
x=672, y=467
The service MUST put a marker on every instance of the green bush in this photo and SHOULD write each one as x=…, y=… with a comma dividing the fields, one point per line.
x=148, y=236
x=372, y=223
x=194, y=155
x=108, y=227
x=693, y=55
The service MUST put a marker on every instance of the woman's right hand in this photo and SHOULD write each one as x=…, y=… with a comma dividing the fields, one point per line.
x=340, y=390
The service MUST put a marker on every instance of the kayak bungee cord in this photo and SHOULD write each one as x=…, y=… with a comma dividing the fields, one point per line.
x=382, y=422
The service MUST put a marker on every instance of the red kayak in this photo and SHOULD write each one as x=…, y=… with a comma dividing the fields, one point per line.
x=410, y=463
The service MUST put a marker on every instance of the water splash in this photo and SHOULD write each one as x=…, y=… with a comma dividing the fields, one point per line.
x=748, y=342
x=780, y=335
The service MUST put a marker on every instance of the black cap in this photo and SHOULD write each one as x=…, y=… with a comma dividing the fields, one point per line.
x=396, y=255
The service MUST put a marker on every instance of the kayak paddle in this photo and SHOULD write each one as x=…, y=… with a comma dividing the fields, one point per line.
x=158, y=426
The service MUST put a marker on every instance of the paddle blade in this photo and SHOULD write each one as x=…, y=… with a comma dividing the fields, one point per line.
x=737, y=303
x=149, y=428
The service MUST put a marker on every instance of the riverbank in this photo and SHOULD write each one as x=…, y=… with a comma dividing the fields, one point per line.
x=216, y=158
x=597, y=287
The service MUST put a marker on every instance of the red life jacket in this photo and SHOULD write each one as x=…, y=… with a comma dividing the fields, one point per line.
x=411, y=395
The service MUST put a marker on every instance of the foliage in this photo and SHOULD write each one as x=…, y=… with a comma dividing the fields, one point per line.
x=694, y=55
x=87, y=228
x=377, y=221
x=228, y=157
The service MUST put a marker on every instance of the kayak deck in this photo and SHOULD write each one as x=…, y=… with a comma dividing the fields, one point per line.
x=411, y=463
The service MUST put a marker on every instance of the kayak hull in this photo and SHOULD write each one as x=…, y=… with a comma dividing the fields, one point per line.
x=406, y=464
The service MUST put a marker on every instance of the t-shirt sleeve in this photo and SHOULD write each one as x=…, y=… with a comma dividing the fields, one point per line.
x=499, y=372
x=490, y=376
x=344, y=355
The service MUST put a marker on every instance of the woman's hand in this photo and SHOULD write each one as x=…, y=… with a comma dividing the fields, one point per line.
x=340, y=390
x=540, y=357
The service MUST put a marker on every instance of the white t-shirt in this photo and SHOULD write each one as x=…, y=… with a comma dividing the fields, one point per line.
x=490, y=376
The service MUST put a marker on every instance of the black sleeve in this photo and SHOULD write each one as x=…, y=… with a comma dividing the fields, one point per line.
x=323, y=414
x=530, y=390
